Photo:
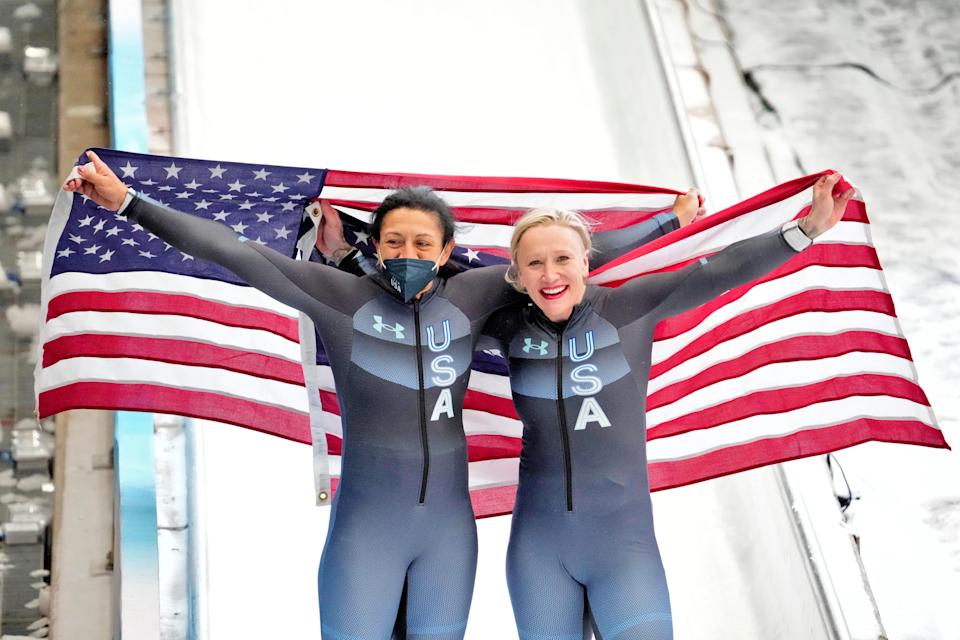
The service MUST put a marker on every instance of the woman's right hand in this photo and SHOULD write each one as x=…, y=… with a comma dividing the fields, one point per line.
x=99, y=183
x=330, y=240
x=688, y=207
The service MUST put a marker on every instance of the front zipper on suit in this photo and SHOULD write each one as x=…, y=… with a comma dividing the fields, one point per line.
x=562, y=421
x=424, y=443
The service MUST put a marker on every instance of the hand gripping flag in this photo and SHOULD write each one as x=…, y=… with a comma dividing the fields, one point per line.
x=803, y=361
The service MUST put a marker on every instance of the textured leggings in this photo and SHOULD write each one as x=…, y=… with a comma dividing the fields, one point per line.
x=560, y=563
x=372, y=554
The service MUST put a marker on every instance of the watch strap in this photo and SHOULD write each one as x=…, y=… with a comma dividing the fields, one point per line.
x=794, y=236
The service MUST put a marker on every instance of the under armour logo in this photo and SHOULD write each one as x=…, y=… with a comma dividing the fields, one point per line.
x=380, y=325
x=528, y=346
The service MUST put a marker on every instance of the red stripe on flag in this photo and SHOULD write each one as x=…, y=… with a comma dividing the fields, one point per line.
x=482, y=184
x=173, y=351
x=604, y=219
x=810, y=442
x=493, y=501
x=808, y=301
x=480, y=401
x=174, y=304
x=817, y=255
x=782, y=399
x=329, y=402
x=334, y=444
x=492, y=447
x=795, y=349
x=205, y=405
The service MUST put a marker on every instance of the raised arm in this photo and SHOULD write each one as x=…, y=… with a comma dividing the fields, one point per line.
x=609, y=245
x=737, y=264
x=297, y=283
x=668, y=294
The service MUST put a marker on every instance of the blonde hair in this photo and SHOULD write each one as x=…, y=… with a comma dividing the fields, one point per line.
x=540, y=218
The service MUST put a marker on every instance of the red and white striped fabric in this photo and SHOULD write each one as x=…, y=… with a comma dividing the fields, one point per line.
x=805, y=361
x=131, y=323
x=211, y=350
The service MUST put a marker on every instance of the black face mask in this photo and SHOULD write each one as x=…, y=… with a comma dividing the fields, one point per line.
x=408, y=276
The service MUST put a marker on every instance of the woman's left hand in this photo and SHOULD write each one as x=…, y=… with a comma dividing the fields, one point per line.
x=688, y=207
x=827, y=208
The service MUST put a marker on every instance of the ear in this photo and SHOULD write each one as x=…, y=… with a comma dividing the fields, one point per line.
x=445, y=254
x=513, y=277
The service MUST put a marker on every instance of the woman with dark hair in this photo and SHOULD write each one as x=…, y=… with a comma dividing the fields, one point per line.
x=400, y=343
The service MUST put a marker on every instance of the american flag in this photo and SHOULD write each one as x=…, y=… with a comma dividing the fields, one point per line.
x=132, y=323
x=806, y=360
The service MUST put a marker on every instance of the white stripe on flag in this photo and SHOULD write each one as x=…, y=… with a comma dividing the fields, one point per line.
x=484, y=235
x=494, y=473
x=811, y=323
x=782, y=375
x=171, y=284
x=171, y=326
x=135, y=371
x=491, y=383
x=823, y=414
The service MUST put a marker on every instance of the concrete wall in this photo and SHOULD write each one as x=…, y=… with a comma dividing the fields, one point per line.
x=82, y=579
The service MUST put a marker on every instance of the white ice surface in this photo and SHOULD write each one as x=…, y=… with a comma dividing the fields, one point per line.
x=872, y=88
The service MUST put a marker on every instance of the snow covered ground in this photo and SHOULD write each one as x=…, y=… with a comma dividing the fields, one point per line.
x=872, y=88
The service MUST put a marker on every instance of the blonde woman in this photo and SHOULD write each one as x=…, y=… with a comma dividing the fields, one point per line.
x=579, y=359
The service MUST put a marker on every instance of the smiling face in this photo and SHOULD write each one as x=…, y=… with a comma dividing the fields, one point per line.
x=411, y=233
x=552, y=265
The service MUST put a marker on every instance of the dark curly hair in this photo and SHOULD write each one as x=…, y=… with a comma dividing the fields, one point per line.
x=419, y=198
